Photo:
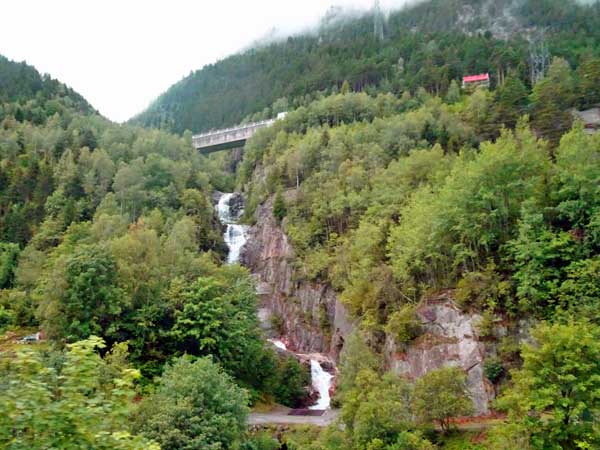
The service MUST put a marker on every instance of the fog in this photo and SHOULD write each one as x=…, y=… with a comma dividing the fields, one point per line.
x=120, y=55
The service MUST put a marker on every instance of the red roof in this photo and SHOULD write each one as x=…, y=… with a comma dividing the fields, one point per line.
x=473, y=78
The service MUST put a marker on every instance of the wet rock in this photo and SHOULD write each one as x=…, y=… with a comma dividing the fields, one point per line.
x=236, y=205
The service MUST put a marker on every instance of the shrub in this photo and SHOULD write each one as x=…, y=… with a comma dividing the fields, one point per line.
x=403, y=325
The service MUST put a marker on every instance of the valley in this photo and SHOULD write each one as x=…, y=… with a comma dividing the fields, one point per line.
x=380, y=233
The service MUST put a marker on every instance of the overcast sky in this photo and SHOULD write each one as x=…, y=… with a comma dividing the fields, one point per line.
x=121, y=54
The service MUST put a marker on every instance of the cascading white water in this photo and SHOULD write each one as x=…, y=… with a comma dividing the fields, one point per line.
x=235, y=238
x=321, y=380
x=279, y=344
x=235, y=234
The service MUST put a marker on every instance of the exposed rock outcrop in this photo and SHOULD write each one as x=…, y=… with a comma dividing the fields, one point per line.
x=449, y=339
x=308, y=314
x=310, y=318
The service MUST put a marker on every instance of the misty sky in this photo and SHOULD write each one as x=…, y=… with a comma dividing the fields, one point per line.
x=121, y=54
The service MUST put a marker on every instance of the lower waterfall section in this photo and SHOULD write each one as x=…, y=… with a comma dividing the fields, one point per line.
x=321, y=381
x=236, y=237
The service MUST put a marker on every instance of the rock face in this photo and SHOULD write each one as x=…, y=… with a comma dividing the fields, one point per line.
x=310, y=319
x=449, y=340
x=308, y=315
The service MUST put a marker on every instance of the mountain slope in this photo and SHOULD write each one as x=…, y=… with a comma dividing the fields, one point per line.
x=20, y=82
x=426, y=45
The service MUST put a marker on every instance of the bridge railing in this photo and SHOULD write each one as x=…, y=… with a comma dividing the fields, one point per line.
x=224, y=131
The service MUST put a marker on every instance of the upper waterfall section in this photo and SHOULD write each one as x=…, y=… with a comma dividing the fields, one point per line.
x=229, y=138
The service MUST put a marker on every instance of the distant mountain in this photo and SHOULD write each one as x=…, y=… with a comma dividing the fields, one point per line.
x=20, y=82
x=427, y=45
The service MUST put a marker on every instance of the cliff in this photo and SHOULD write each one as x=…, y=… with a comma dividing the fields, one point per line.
x=449, y=339
x=308, y=316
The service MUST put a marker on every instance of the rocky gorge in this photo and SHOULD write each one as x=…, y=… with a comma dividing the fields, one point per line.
x=309, y=317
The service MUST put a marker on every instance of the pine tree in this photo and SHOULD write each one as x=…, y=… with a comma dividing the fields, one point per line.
x=345, y=87
x=589, y=82
x=511, y=101
x=551, y=98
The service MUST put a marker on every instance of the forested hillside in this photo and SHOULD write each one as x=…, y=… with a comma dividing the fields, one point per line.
x=22, y=83
x=394, y=200
x=393, y=190
x=427, y=46
x=110, y=244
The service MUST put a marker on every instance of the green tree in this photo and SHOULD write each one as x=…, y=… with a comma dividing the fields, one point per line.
x=379, y=408
x=279, y=208
x=556, y=394
x=356, y=356
x=453, y=95
x=65, y=403
x=86, y=299
x=218, y=318
x=550, y=100
x=8, y=263
x=589, y=81
x=511, y=101
x=404, y=325
x=441, y=395
x=345, y=89
x=195, y=406
x=291, y=381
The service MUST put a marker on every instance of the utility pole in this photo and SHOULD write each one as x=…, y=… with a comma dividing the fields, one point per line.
x=539, y=59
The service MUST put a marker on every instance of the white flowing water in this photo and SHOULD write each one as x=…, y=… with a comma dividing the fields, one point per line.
x=321, y=380
x=277, y=343
x=235, y=238
x=235, y=234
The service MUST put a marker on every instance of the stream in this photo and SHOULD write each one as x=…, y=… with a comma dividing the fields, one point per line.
x=235, y=237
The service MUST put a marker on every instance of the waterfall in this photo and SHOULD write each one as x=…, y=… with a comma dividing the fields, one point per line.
x=279, y=344
x=321, y=381
x=235, y=238
x=235, y=234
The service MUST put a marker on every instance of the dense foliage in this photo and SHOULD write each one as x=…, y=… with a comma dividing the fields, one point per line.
x=109, y=230
x=35, y=96
x=391, y=182
x=195, y=406
x=71, y=400
x=423, y=46
x=556, y=394
x=389, y=199
x=411, y=198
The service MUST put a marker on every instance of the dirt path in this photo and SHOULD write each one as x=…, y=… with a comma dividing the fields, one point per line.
x=279, y=416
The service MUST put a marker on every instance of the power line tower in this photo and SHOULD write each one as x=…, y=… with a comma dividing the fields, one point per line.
x=539, y=58
x=378, y=21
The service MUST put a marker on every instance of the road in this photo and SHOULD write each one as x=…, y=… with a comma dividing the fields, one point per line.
x=279, y=416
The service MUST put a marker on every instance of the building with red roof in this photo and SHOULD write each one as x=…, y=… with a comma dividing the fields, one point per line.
x=473, y=81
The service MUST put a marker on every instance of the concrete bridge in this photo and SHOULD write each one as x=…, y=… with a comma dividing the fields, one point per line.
x=228, y=138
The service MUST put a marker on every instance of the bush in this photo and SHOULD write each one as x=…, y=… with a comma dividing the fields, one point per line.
x=442, y=394
x=279, y=208
x=196, y=406
x=486, y=325
x=493, y=369
x=262, y=441
x=404, y=325
x=292, y=379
